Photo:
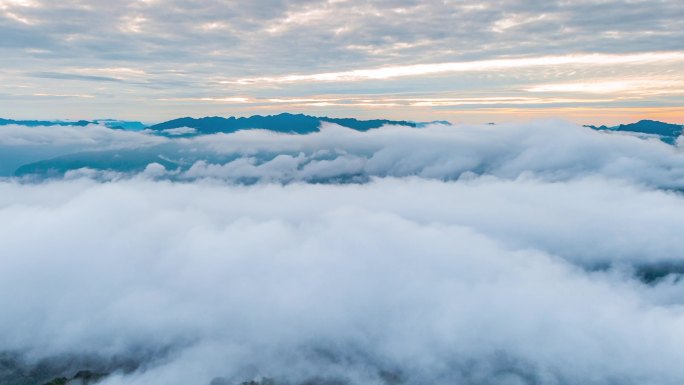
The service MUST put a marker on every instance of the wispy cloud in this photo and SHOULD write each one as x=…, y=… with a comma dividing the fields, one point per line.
x=653, y=86
x=473, y=66
x=223, y=100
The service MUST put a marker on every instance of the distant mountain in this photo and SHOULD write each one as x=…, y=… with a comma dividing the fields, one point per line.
x=285, y=122
x=125, y=160
x=111, y=123
x=667, y=132
x=34, y=123
x=652, y=127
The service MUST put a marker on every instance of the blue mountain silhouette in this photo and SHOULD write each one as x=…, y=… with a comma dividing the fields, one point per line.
x=652, y=127
x=666, y=131
x=35, y=123
x=111, y=123
x=285, y=122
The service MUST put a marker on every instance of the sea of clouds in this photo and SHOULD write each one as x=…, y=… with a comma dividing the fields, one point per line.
x=549, y=150
x=538, y=253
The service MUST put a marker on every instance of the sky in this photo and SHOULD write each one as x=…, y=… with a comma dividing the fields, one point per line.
x=598, y=62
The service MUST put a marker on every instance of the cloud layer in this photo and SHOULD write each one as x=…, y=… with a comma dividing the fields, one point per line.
x=544, y=253
x=551, y=150
x=21, y=144
x=547, y=150
x=152, y=60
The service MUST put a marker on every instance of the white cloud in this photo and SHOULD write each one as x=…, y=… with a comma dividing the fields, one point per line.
x=550, y=150
x=93, y=136
x=464, y=281
x=180, y=131
x=505, y=254
x=653, y=86
x=580, y=60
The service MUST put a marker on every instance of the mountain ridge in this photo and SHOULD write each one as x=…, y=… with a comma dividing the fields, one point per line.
x=283, y=122
x=667, y=132
x=109, y=123
x=304, y=124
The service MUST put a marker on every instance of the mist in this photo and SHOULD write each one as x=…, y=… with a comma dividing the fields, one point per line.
x=549, y=150
x=542, y=253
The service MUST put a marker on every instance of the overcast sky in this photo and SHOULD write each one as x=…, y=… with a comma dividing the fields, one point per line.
x=586, y=61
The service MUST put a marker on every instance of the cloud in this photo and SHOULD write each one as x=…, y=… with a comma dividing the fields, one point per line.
x=183, y=49
x=508, y=254
x=550, y=150
x=547, y=150
x=91, y=136
x=479, y=281
x=474, y=66
x=21, y=144
x=180, y=131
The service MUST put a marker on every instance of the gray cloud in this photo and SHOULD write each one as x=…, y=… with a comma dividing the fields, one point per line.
x=207, y=42
x=186, y=29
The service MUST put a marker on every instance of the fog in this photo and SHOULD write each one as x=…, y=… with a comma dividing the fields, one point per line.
x=549, y=150
x=538, y=254
x=23, y=144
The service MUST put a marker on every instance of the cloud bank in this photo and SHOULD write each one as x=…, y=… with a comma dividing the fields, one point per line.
x=22, y=144
x=519, y=254
x=547, y=150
